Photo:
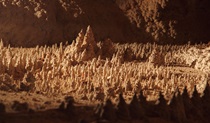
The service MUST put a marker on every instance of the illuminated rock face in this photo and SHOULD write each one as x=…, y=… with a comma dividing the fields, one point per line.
x=40, y=22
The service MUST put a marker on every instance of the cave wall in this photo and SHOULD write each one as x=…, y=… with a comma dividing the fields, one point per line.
x=170, y=21
x=28, y=23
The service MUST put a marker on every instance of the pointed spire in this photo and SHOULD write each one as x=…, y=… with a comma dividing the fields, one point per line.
x=196, y=99
x=80, y=38
x=178, y=112
x=143, y=99
x=122, y=111
x=70, y=109
x=136, y=109
x=61, y=107
x=162, y=108
x=109, y=112
x=89, y=38
x=185, y=93
x=195, y=93
x=162, y=101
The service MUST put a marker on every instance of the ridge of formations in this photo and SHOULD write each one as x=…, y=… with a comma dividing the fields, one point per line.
x=28, y=23
x=105, y=68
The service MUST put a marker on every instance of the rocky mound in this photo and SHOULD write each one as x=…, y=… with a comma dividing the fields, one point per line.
x=40, y=22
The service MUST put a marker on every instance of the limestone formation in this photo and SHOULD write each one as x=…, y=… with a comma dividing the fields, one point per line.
x=109, y=111
x=70, y=108
x=178, y=113
x=136, y=109
x=122, y=109
x=164, y=110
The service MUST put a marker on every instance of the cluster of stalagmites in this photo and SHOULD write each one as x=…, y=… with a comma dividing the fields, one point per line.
x=103, y=67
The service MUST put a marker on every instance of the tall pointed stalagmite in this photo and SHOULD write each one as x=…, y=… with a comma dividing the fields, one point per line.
x=177, y=109
x=187, y=102
x=196, y=99
x=89, y=45
x=109, y=112
x=197, y=106
x=163, y=108
x=136, y=109
x=143, y=99
x=148, y=107
x=89, y=33
x=122, y=109
x=89, y=39
x=79, y=39
x=185, y=94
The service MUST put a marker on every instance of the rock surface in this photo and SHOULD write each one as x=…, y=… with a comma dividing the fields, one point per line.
x=39, y=22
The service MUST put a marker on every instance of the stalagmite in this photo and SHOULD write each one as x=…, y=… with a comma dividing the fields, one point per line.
x=122, y=109
x=178, y=113
x=70, y=108
x=163, y=108
x=136, y=109
x=109, y=111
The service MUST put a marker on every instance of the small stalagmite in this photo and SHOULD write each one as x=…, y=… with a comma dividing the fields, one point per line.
x=61, y=107
x=70, y=108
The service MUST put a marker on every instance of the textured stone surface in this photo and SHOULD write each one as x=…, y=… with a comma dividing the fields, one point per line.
x=169, y=21
x=29, y=23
